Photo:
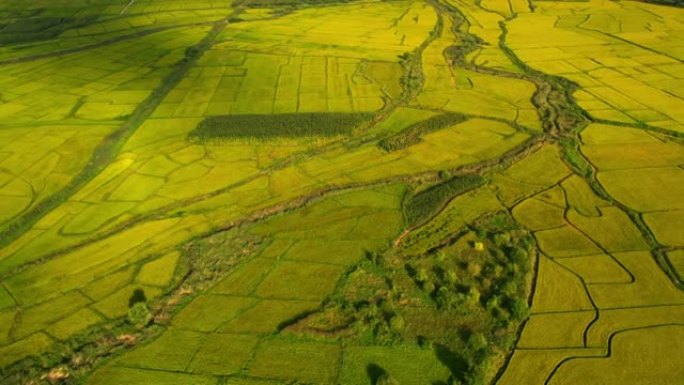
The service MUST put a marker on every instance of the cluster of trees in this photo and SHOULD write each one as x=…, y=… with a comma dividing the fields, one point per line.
x=490, y=280
x=467, y=299
x=279, y=125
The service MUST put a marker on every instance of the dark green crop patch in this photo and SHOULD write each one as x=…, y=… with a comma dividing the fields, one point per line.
x=421, y=207
x=307, y=125
x=413, y=134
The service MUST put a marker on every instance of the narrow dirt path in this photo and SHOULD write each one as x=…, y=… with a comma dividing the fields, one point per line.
x=126, y=7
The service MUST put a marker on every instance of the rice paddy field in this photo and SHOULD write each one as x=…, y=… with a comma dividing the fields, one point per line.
x=360, y=192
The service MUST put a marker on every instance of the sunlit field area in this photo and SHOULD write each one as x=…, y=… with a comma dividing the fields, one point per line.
x=354, y=192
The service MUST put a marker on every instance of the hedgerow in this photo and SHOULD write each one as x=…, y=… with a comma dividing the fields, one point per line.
x=421, y=207
x=279, y=126
x=412, y=135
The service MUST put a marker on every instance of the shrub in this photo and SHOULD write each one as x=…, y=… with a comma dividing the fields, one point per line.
x=518, y=309
x=139, y=315
x=421, y=275
x=397, y=323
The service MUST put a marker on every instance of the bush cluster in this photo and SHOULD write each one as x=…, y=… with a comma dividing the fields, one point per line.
x=278, y=125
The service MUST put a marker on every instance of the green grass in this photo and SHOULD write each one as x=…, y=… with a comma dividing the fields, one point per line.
x=32, y=345
x=307, y=362
x=172, y=351
x=409, y=365
x=304, y=125
x=41, y=316
x=420, y=207
x=223, y=354
x=268, y=316
x=297, y=280
x=325, y=251
x=73, y=324
x=245, y=277
x=119, y=375
x=160, y=271
x=208, y=312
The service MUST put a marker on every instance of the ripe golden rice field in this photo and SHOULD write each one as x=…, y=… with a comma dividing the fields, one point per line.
x=341, y=192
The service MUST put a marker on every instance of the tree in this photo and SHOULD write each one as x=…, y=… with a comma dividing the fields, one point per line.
x=139, y=315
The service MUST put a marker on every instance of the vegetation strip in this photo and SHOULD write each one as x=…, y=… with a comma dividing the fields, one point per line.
x=217, y=128
x=421, y=207
x=412, y=135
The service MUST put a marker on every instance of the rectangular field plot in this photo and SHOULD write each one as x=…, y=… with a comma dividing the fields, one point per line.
x=600, y=268
x=101, y=84
x=314, y=281
x=535, y=365
x=243, y=82
x=223, y=354
x=668, y=227
x=652, y=353
x=555, y=330
x=378, y=30
x=307, y=362
x=172, y=351
x=611, y=320
x=644, y=190
x=650, y=287
x=408, y=365
x=558, y=290
x=131, y=376
x=267, y=316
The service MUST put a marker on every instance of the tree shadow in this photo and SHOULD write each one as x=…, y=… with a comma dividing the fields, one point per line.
x=456, y=363
x=137, y=296
x=374, y=372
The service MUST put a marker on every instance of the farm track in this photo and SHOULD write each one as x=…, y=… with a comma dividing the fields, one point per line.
x=127, y=6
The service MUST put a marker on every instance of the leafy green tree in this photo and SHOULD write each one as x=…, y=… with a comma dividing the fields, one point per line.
x=139, y=314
